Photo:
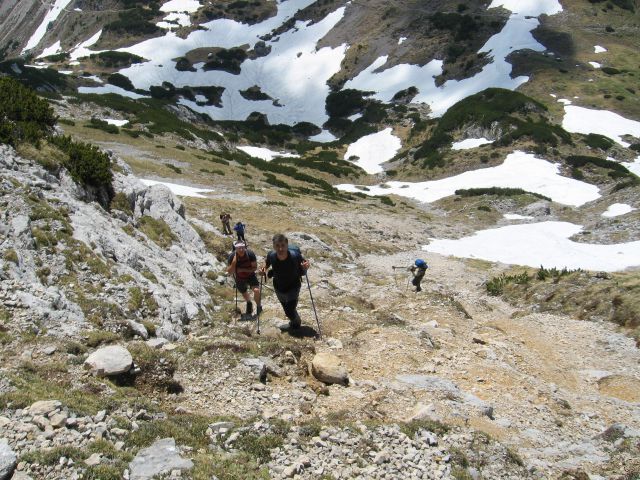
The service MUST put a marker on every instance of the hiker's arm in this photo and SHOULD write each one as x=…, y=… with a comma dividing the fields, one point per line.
x=232, y=266
x=305, y=264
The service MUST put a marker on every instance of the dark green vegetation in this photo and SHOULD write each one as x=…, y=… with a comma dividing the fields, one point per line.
x=137, y=18
x=497, y=191
x=615, y=170
x=151, y=114
x=514, y=113
x=326, y=161
x=227, y=60
x=103, y=125
x=586, y=296
x=43, y=79
x=24, y=117
x=594, y=140
x=113, y=59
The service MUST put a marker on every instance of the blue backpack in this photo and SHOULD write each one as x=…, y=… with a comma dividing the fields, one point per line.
x=421, y=263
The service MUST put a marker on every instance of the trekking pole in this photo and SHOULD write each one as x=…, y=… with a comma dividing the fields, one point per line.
x=259, y=307
x=235, y=283
x=313, y=305
x=407, y=288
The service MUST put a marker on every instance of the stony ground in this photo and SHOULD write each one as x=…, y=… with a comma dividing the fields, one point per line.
x=445, y=383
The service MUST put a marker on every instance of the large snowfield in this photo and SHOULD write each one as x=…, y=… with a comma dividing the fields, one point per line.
x=519, y=170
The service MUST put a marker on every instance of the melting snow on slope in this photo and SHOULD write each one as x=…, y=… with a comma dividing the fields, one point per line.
x=519, y=170
x=82, y=49
x=52, y=50
x=617, y=209
x=535, y=244
x=515, y=216
x=468, y=143
x=603, y=122
x=295, y=72
x=111, y=89
x=51, y=16
x=180, y=6
x=599, y=49
x=515, y=35
x=265, y=153
x=174, y=20
x=634, y=166
x=117, y=123
x=595, y=64
x=373, y=150
x=180, y=190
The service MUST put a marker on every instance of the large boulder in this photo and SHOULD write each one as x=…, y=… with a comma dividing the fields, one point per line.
x=161, y=458
x=8, y=460
x=327, y=368
x=109, y=361
x=44, y=407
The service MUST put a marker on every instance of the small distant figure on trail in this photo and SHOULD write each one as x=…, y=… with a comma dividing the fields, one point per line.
x=418, y=269
x=225, y=218
x=243, y=265
x=239, y=229
x=287, y=266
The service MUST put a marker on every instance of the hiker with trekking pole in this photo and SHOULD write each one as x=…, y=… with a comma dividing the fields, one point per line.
x=243, y=265
x=287, y=266
x=418, y=269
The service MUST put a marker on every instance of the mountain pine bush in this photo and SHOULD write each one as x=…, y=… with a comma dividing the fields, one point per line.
x=24, y=117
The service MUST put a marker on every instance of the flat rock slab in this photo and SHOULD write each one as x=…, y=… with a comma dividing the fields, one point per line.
x=108, y=361
x=8, y=460
x=44, y=407
x=326, y=367
x=159, y=459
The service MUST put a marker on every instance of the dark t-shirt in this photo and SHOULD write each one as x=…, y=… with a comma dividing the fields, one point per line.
x=243, y=262
x=286, y=273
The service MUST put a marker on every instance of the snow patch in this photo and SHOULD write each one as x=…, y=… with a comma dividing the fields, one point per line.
x=82, y=49
x=50, y=17
x=633, y=167
x=516, y=35
x=52, y=50
x=468, y=143
x=535, y=244
x=374, y=149
x=117, y=123
x=265, y=153
x=401, y=40
x=519, y=170
x=190, y=6
x=111, y=89
x=603, y=122
x=599, y=49
x=595, y=64
x=515, y=216
x=617, y=209
x=180, y=190
x=325, y=136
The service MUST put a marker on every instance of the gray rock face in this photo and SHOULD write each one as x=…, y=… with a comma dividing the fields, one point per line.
x=138, y=329
x=8, y=460
x=108, y=361
x=326, y=368
x=160, y=458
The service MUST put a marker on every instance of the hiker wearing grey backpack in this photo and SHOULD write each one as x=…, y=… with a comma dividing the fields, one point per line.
x=286, y=266
x=418, y=269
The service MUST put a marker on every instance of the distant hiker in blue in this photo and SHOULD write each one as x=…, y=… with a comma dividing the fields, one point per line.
x=239, y=229
x=418, y=269
x=287, y=266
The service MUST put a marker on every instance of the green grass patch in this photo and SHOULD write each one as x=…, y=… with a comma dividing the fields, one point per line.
x=157, y=231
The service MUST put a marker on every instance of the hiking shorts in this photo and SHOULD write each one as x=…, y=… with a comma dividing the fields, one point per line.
x=243, y=283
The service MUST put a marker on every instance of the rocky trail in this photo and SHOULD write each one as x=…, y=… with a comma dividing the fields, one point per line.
x=446, y=383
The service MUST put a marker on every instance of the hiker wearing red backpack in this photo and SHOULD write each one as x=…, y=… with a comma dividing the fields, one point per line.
x=243, y=264
x=287, y=266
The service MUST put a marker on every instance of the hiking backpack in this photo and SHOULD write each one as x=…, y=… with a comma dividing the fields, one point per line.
x=296, y=254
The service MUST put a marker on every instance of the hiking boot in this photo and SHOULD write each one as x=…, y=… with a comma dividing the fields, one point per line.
x=249, y=310
x=295, y=323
